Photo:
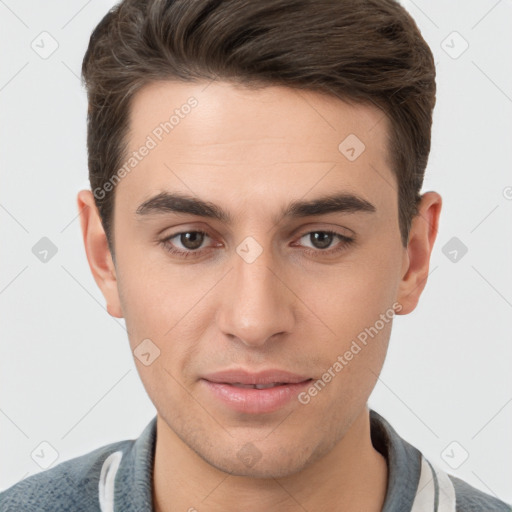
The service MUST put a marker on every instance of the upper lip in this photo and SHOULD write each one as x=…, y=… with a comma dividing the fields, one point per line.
x=241, y=376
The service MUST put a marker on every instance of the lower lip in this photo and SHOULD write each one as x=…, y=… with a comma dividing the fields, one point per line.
x=252, y=400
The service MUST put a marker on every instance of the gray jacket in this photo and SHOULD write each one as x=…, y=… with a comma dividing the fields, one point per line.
x=118, y=478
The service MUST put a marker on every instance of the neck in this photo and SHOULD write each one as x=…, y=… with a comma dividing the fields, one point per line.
x=352, y=473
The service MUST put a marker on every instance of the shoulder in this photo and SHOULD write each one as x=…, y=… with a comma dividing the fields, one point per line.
x=415, y=483
x=71, y=485
x=470, y=499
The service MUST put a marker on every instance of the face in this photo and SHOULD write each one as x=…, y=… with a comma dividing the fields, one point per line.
x=269, y=282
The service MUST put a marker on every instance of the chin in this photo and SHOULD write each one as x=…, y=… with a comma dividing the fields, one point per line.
x=250, y=462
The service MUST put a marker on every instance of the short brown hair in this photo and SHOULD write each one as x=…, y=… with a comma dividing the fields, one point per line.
x=366, y=51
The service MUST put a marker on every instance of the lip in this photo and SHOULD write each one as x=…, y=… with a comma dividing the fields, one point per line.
x=221, y=386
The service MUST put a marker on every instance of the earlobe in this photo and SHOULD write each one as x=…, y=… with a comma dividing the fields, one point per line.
x=422, y=236
x=98, y=252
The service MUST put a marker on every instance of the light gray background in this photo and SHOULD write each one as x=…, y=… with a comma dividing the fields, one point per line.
x=67, y=376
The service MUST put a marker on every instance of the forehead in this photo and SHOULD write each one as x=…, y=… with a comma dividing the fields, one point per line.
x=233, y=139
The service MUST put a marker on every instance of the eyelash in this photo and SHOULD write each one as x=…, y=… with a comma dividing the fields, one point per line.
x=345, y=241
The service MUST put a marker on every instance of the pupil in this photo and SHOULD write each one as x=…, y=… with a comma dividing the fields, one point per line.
x=192, y=240
x=321, y=240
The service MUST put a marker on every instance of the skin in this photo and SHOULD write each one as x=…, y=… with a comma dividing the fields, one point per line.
x=252, y=152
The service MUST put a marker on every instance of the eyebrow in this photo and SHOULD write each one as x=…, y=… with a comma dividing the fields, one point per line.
x=167, y=202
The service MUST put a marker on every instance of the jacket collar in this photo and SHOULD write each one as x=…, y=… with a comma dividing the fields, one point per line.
x=404, y=464
x=134, y=480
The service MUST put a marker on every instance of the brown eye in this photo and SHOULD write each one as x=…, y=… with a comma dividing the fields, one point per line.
x=191, y=239
x=321, y=239
x=186, y=243
x=323, y=242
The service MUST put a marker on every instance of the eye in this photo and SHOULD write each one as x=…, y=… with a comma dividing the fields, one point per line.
x=190, y=239
x=185, y=243
x=322, y=241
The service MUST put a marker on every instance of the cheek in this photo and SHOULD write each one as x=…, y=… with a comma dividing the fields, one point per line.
x=356, y=302
x=354, y=294
x=164, y=304
x=162, y=323
x=156, y=295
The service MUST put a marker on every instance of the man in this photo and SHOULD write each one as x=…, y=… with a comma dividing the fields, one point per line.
x=255, y=216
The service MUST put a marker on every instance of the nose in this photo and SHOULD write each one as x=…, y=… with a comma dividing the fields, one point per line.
x=257, y=301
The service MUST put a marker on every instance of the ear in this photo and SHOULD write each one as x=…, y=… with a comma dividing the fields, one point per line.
x=422, y=236
x=98, y=253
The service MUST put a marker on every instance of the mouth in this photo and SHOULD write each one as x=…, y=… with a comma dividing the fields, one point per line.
x=256, y=386
x=254, y=393
x=266, y=378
